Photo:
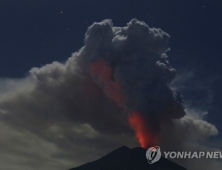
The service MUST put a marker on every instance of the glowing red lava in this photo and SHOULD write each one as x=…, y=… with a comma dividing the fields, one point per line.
x=102, y=73
x=143, y=133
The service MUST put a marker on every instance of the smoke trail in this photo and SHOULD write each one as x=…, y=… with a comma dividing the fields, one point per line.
x=130, y=65
x=103, y=73
x=80, y=104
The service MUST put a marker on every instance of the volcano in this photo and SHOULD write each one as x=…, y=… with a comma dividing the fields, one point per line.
x=124, y=158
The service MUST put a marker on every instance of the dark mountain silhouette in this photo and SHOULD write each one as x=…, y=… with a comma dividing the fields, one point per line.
x=128, y=159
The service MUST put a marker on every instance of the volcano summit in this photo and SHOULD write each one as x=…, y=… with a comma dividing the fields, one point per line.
x=124, y=158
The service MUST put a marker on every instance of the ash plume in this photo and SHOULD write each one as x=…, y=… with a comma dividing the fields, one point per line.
x=130, y=65
x=118, y=81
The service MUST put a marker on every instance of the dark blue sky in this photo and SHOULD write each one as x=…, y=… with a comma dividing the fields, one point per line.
x=34, y=33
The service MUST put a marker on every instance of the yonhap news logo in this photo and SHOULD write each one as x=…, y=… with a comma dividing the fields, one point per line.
x=153, y=154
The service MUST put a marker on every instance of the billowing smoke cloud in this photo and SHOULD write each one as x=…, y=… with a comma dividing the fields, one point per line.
x=82, y=106
x=130, y=65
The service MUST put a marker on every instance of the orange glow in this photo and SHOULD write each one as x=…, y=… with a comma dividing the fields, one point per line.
x=103, y=74
x=143, y=133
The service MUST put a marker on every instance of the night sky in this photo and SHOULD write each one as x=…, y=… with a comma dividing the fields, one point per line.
x=34, y=33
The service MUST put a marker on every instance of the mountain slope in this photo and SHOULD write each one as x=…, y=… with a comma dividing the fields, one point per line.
x=124, y=158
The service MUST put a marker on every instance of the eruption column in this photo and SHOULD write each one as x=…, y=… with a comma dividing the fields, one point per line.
x=101, y=71
x=143, y=133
